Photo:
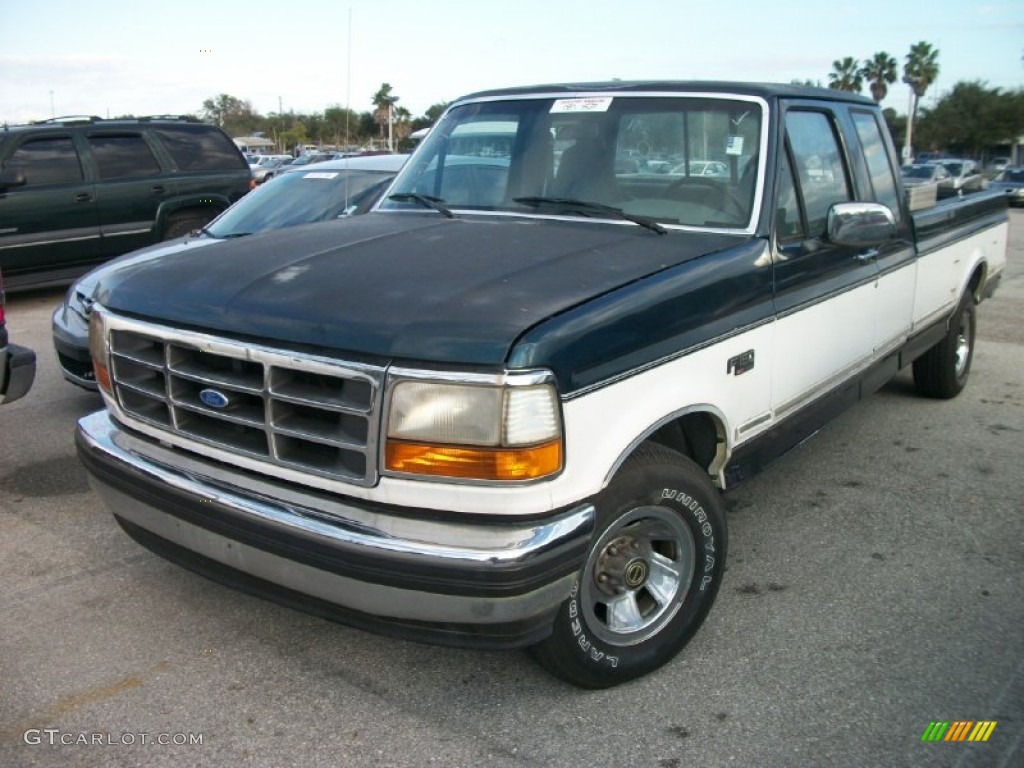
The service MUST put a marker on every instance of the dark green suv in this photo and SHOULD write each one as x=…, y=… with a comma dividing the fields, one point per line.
x=75, y=192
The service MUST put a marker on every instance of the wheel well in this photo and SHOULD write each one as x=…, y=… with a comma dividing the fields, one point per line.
x=196, y=210
x=976, y=281
x=700, y=436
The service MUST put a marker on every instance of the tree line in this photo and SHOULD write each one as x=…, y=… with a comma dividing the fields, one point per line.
x=335, y=126
x=971, y=120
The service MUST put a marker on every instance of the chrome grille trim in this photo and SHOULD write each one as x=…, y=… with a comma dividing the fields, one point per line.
x=287, y=410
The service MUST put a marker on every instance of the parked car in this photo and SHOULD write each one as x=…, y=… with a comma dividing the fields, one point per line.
x=268, y=166
x=17, y=364
x=75, y=192
x=702, y=168
x=313, y=157
x=299, y=196
x=1011, y=182
x=917, y=174
x=999, y=164
x=964, y=175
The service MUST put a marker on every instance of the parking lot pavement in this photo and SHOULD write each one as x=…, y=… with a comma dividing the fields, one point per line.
x=874, y=586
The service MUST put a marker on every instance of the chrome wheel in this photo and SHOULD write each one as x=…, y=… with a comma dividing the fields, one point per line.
x=962, y=352
x=637, y=575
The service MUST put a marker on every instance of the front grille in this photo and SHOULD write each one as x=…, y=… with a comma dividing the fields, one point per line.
x=306, y=413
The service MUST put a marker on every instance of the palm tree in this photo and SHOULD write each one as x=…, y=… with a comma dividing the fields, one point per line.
x=920, y=71
x=383, y=100
x=879, y=71
x=845, y=75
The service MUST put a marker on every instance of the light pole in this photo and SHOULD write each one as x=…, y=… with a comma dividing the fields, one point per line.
x=53, y=112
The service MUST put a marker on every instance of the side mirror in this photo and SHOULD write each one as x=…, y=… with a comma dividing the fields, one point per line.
x=860, y=225
x=12, y=177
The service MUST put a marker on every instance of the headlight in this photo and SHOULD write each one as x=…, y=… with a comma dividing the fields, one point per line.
x=501, y=431
x=98, y=349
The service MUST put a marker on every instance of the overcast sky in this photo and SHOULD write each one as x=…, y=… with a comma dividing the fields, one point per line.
x=144, y=57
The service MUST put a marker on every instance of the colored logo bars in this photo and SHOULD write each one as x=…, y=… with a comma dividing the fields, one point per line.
x=958, y=730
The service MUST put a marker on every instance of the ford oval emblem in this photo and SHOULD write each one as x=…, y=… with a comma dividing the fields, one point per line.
x=214, y=399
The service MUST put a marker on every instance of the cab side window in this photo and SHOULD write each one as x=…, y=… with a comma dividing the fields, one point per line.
x=820, y=171
x=47, y=161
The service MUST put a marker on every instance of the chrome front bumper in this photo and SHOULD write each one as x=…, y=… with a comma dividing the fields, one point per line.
x=477, y=582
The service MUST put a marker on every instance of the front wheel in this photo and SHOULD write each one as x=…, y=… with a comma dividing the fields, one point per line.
x=651, y=575
x=942, y=371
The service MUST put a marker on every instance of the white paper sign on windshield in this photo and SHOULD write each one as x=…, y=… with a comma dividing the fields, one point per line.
x=590, y=104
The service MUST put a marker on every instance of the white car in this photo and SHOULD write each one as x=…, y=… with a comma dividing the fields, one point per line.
x=964, y=175
x=267, y=166
x=703, y=168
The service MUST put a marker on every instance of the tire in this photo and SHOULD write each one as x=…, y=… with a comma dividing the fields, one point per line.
x=180, y=224
x=942, y=371
x=654, y=567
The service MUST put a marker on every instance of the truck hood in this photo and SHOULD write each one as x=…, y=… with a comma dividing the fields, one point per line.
x=398, y=286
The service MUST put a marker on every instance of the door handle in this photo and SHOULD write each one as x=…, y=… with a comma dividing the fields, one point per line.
x=83, y=197
x=158, y=189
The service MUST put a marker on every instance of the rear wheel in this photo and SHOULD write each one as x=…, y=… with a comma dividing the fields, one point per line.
x=942, y=371
x=651, y=575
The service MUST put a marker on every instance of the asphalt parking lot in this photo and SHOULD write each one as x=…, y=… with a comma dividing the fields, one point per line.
x=875, y=585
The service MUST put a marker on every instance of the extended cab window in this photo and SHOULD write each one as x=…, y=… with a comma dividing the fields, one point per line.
x=47, y=161
x=819, y=166
x=122, y=157
x=883, y=179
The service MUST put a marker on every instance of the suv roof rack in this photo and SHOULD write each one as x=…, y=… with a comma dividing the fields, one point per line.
x=91, y=119
x=182, y=118
x=68, y=119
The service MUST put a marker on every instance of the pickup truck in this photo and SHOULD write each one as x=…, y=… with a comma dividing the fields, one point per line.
x=501, y=409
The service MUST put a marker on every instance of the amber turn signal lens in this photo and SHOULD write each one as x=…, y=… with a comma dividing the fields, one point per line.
x=474, y=463
x=102, y=377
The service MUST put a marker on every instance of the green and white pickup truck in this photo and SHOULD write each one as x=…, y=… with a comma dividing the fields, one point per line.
x=501, y=409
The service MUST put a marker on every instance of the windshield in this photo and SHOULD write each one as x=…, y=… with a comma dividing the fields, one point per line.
x=300, y=197
x=954, y=168
x=1016, y=174
x=679, y=160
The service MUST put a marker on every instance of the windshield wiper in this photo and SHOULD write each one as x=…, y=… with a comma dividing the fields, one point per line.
x=228, y=236
x=427, y=201
x=584, y=207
